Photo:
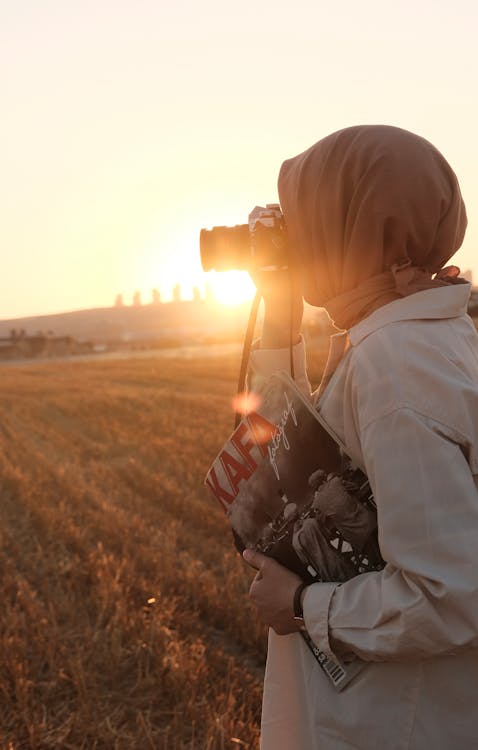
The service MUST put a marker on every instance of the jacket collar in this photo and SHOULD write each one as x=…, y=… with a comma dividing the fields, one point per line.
x=442, y=302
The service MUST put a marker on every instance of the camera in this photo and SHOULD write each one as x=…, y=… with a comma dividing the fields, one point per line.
x=260, y=244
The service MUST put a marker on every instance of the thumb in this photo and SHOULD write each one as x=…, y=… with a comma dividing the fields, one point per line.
x=253, y=558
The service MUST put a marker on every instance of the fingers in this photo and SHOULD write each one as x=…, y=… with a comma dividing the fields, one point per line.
x=254, y=559
x=259, y=561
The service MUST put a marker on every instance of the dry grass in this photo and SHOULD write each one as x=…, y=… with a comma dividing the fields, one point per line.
x=125, y=619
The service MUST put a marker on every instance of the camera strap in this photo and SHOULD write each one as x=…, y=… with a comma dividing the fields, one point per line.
x=291, y=326
x=246, y=351
x=247, y=346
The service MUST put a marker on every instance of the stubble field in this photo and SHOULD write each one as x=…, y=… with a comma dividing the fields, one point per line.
x=125, y=621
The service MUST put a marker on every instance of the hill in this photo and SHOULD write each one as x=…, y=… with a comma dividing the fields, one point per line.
x=195, y=320
x=199, y=321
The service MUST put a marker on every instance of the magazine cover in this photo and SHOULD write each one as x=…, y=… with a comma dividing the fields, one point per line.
x=290, y=492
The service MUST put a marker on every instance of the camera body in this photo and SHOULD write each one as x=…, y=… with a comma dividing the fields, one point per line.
x=260, y=244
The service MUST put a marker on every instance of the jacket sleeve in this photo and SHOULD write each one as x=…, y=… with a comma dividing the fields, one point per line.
x=424, y=602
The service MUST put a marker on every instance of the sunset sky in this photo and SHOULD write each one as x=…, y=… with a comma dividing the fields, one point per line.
x=127, y=125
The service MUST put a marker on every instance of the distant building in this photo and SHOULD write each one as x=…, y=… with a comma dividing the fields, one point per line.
x=177, y=293
x=155, y=297
x=119, y=300
x=137, y=299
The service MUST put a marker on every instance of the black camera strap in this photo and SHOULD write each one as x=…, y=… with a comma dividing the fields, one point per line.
x=246, y=352
x=291, y=326
x=247, y=346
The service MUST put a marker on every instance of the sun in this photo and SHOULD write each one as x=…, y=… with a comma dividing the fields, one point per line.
x=231, y=288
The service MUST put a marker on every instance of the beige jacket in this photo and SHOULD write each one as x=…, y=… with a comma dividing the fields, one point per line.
x=404, y=401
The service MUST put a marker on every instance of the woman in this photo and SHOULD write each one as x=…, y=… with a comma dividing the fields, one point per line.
x=373, y=214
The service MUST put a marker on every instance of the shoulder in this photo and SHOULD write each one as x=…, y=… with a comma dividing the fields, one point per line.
x=429, y=366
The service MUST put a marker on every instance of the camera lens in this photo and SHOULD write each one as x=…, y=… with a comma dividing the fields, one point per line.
x=225, y=248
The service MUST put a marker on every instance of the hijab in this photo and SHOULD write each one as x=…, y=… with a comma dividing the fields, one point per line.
x=373, y=213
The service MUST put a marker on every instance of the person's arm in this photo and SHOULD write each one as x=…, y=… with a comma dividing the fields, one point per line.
x=283, y=309
x=424, y=602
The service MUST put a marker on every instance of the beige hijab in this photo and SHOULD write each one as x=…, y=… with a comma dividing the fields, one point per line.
x=373, y=212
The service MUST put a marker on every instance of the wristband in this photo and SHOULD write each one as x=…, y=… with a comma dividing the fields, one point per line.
x=298, y=611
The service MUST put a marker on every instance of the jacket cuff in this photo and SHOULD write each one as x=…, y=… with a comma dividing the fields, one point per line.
x=264, y=362
x=316, y=606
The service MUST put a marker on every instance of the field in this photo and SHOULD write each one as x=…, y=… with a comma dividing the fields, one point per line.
x=125, y=621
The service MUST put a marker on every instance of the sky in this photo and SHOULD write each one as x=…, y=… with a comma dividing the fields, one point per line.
x=128, y=125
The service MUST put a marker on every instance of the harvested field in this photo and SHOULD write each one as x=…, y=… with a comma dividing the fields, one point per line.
x=125, y=621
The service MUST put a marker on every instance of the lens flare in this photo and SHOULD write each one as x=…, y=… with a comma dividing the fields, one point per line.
x=245, y=402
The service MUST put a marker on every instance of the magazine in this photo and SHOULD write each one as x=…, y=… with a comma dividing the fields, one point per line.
x=290, y=492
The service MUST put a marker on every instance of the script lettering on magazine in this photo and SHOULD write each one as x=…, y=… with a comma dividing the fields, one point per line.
x=225, y=476
x=280, y=435
x=262, y=430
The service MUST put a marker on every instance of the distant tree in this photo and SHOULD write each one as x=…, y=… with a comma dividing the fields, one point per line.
x=13, y=334
x=119, y=300
x=155, y=297
x=196, y=294
x=137, y=299
x=177, y=293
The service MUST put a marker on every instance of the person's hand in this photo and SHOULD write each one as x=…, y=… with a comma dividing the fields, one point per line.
x=272, y=592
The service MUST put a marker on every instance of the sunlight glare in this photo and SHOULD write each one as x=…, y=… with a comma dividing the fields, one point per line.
x=231, y=287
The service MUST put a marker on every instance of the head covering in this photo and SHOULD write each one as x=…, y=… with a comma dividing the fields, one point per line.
x=373, y=211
